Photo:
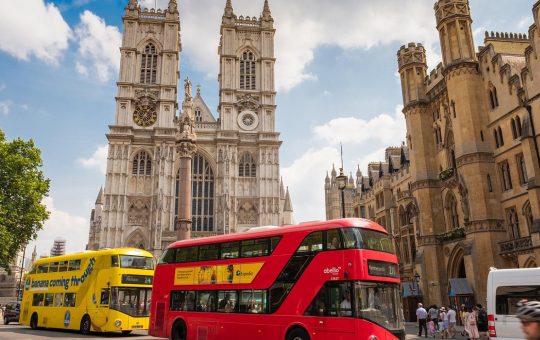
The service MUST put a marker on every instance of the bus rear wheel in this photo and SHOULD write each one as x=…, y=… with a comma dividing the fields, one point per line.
x=6, y=321
x=179, y=331
x=34, y=321
x=85, y=325
x=298, y=334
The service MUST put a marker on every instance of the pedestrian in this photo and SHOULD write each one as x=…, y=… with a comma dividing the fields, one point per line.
x=433, y=315
x=451, y=322
x=472, y=322
x=421, y=317
x=464, y=314
x=529, y=314
x=482, y=322
x=443, y=323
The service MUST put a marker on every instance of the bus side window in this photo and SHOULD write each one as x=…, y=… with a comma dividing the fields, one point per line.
x=178, y=299
x=63, y=266
x=74, y=265
x=188, y=254
x=351, y=238
x=49, y=297
x=54, y=267
x=114, y=261
x=69, y=300
x=37, y=299
x=333, y=239
x=43, y=268
x=254, y=248
x=313, y=242
x=230, y=250
x=58, y=298
x=318, y=305
x=104, y=300
x=33, y=270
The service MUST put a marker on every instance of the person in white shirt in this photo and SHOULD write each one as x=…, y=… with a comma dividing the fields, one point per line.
x=421, y=316
x=451, y=322
x=345, y=305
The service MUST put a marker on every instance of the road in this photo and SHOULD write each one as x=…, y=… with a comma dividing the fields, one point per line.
x=17, y=332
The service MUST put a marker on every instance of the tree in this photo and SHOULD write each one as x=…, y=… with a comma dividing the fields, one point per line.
x=22, y=188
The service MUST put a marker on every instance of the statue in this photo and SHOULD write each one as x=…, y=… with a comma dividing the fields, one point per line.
x=187, y=89
x=463, y=192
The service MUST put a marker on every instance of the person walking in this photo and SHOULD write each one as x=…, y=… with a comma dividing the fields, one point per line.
x=529, y=314
x=421, y=317
x=443, y=323
x=482, y=322
x=433, y=313
x=472, y=322
x=451, y=322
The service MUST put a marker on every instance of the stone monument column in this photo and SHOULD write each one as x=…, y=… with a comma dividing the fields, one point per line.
x=186, y=148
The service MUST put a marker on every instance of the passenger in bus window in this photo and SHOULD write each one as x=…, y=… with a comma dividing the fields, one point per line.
x=334, y=244
x=189, y=305
x=345, y=305
x=225, y=303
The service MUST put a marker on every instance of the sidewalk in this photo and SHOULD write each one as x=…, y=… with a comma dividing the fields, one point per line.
x=411, y=328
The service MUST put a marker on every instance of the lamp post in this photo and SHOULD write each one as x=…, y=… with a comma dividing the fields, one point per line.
x=342, y=184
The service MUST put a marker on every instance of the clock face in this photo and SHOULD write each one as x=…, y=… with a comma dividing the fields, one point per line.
x=145, y=115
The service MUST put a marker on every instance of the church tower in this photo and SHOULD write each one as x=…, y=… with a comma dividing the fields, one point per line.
x=136, y=200
x=249, y=144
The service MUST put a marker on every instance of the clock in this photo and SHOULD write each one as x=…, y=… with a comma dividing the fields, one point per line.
x=248, y=120
x=145, y=115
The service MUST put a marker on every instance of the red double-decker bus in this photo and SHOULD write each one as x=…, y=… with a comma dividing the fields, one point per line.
x=322, y=280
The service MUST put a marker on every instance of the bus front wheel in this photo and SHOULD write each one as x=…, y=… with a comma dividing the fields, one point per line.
x=297, y=334
x=179, y=331
x=34, y=321
x=85, y=325
x=126, y=332
x=6, y=320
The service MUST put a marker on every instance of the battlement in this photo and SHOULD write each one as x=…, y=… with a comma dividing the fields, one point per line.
x=445, y=9
x=247, y=21
x=505, y=36
x=412, y=53
x=153, y=14
x=435, y=75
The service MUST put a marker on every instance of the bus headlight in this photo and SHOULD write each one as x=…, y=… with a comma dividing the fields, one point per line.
x=373, y=337
x=118, y=323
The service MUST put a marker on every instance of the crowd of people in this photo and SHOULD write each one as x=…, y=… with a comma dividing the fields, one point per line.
x=442, y=321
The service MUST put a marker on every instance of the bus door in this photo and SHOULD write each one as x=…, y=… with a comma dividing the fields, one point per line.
x=332, y=308
x=101, y=313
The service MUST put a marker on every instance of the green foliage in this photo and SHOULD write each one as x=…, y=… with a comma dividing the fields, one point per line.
x=453, y=234
x=22, y=188
x=446, y=174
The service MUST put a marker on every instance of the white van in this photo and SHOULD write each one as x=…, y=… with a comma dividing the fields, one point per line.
x=505, y=288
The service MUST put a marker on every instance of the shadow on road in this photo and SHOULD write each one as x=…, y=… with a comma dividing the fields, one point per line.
x=60, y=333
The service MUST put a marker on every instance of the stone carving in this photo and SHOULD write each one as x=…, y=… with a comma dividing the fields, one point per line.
x=464, y=193
x=186, y=149
x=138, y=211
x=187, y=89
x=248, y=102
x=247, y=213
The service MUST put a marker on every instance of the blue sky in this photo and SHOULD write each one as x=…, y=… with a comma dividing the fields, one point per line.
x=336, y=76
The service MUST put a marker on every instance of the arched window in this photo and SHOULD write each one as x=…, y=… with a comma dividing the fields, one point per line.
x=513, y=126
x=142, y=164
x=247, y=166
x=506, y=178
x=452, y=212
x=198, y=115
x=518, y=126
x=501, y=139
x=202, y=189
x=247, y=71
x=451, y=150
x=149, y=60
x=493, y=100
x=513, y=223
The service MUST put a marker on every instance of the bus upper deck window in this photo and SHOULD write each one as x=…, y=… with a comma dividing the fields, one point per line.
x=43, y=268
x=74, y=265
x=63, y=266
x=54, y=267
x=114, y=261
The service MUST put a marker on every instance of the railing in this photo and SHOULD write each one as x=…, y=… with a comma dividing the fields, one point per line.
x=454, y=234
x=517, y=245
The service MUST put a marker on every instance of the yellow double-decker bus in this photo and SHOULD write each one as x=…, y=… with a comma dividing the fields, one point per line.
x=101, y=291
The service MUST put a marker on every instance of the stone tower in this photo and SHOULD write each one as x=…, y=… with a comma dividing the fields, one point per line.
x=247, y=108
x=424, y=182
x=472, y=157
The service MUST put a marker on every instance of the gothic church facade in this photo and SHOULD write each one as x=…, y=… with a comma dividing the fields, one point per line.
x=236, y=174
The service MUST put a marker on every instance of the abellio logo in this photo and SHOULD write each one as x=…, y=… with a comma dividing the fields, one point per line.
x=67, y=318
x=333, y=270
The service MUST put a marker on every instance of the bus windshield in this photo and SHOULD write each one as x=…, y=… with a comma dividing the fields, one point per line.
x=137, y=262
x=367, y=239
x=379, y=303
x=131, y=301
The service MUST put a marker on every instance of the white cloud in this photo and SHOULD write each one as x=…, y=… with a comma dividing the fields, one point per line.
x=5, y=107
x=31, y=27
x=98, y=160
x=382, y=128
x=98, y=46
x=524, y=23
x=305, y=25
x=306, y=182
x=60, y=224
